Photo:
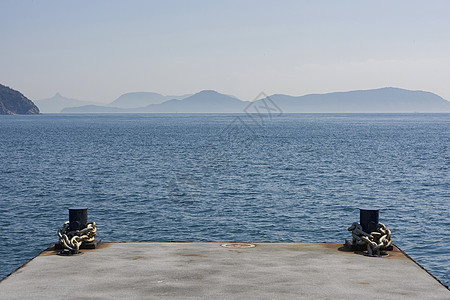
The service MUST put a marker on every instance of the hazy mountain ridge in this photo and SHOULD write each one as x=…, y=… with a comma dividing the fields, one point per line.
x=13, y=102
x=58, y=102
x=206, y=101
x=142, y=99
x=128, y=102
x=371, y=101
x=382, y=100
x=394, y=100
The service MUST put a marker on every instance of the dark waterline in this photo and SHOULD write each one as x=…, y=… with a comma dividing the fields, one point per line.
x=187, y=177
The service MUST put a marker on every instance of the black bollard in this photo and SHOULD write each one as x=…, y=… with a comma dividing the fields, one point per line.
x=368, y=218
x=77, y=218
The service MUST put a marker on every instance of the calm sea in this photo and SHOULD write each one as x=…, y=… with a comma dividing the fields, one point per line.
x=258, y=178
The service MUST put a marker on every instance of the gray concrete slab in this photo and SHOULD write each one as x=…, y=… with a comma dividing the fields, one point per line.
x=209, y=270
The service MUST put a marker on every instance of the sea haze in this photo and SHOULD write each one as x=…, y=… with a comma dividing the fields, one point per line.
x=383, y=100
x=226, y=177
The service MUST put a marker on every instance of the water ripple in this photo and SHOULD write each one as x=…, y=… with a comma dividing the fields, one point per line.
x=301, y=178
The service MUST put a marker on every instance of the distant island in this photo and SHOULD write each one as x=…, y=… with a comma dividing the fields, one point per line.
x=13, y=102
x=58, y=102
x=383, y=100
x=207, y=101
x=134, y=100
x=141, y=99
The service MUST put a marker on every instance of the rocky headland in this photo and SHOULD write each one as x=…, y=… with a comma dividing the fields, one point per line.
x=13, y=102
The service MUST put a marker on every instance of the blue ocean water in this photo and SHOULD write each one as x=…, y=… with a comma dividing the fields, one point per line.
x=237, y=177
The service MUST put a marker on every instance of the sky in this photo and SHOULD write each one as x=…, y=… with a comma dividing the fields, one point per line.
x=98, y=50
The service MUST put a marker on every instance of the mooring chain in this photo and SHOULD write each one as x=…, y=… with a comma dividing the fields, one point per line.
x=375, y=241
x=72, y=240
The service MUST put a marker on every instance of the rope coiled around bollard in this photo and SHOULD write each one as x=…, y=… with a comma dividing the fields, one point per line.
x=375, y=241
x=72, y=240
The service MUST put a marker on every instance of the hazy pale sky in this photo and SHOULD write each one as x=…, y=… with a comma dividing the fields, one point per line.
x=98, y=50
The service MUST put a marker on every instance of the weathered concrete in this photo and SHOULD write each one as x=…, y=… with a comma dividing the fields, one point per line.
x=208, y=270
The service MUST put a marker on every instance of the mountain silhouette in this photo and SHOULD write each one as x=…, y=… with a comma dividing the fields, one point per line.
x=389, y=100
x=383, y=100
x=206, y=101
x=141, y=99
x=203, y=102
x=56, y=103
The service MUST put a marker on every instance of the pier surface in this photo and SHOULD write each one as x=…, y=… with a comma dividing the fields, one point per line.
x=210, y=270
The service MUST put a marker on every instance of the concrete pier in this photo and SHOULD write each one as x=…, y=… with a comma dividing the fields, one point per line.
x=221, y=271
